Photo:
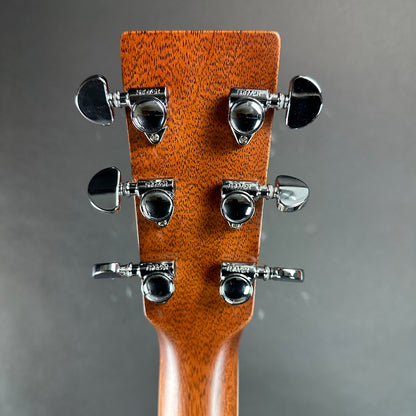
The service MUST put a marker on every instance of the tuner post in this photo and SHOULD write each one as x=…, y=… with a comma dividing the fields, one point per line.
x=237, y=279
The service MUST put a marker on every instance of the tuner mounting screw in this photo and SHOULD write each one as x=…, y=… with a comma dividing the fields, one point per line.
x=247, y=107
x=157, y=278
x=243, y=140
x=154, y=138
x=106, y=188
x=236, y=280
x=238, y=197
x=148, y=106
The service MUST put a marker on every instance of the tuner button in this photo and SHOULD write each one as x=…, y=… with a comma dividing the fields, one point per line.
x=106, y=271
x=292, y=193
x=305, y=102
x=104, y=190
x=92, y=101
x=236, y=289
x=237, y=208
x=158, y=287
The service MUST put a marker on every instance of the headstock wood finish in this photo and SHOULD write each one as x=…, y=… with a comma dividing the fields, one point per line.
x=198, y=330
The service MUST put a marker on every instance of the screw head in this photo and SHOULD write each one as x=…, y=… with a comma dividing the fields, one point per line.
x=154, y=138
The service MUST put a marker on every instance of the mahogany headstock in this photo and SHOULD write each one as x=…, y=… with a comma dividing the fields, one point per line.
x=196, y=69
x=206, y=94
x=199, y=151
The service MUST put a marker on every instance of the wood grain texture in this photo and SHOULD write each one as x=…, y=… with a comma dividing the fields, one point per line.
x=198, y=331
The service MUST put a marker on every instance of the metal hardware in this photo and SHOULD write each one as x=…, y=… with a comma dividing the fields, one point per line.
x=247, y=107
x=238, y=197
x=148, y=106
x=237, y=279
x=157, y=278
x=156, y=195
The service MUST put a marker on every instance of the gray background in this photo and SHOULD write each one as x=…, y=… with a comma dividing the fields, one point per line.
x=342, y=343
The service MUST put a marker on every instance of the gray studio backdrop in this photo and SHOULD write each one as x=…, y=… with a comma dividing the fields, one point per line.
x=342, y=343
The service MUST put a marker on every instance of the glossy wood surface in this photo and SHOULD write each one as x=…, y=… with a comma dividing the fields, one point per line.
x=198, y=331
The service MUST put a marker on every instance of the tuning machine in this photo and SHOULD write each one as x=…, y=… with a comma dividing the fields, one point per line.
x=157, y=278
x=237, y=279
x=106, y=188
x=238, y=197
x=148, y=106
x=247, y=107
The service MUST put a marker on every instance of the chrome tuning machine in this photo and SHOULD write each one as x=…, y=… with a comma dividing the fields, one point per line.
x=156, y=195
x=148, y=106
x=157, y=278
x=238, y=197
x=247, y=107
x=237, y=279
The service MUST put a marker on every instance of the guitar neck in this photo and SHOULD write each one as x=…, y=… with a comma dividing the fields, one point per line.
x=199, y=377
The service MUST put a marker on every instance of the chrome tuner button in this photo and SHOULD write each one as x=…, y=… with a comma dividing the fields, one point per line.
x=292, y=193
x=238, y=197
x=304, y=102
x=247, y=107
x=148, y=106
x=104, y=190
x=157, y=278
x=237, y=279
x=93, y=102
x=156, y=195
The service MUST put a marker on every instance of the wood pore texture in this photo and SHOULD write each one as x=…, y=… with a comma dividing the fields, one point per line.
x=198, y=331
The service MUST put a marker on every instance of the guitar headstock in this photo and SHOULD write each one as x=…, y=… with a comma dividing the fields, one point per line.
x=199, y=134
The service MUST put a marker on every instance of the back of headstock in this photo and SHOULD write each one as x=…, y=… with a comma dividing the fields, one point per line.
x=198, y=151
x=200, y=187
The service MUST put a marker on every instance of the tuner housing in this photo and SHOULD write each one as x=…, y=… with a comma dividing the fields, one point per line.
x=157, y=278
x=106, y=188
x=237, y=279
x=148, y=110
x=148, y=106
x=247, y=107
x=238, y=197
